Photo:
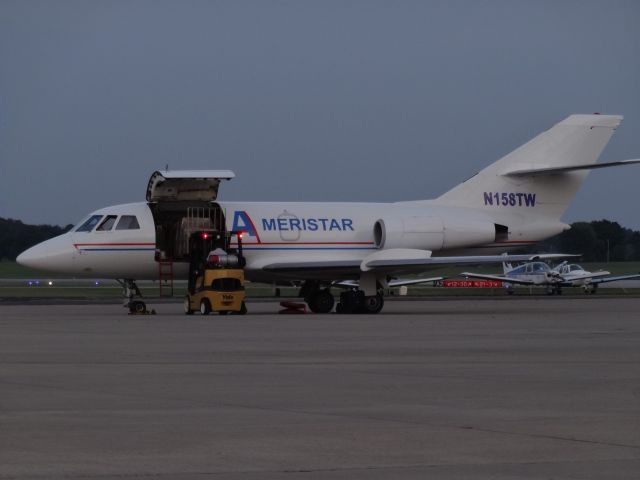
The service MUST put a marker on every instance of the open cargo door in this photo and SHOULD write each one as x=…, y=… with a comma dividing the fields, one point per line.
x=186, y=185
x=182, y=202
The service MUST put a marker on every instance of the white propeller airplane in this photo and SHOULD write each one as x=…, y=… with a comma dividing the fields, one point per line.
x=514, y=202
x=576, y=276
x=540, y=274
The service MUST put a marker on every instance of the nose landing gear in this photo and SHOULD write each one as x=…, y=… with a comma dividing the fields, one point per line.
x=131, y=291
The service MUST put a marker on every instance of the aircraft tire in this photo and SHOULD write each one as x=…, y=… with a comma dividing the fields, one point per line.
x=373, y=304
x=138, y=307
x=205, y=307
x=187, y=306
x=321, y=301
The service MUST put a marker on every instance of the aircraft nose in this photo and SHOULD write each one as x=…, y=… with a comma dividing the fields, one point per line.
x=54, y=255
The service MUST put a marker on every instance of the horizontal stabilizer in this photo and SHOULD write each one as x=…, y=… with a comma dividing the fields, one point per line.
x=536, y=172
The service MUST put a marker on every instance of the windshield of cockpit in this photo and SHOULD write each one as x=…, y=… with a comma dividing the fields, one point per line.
x=89, y=224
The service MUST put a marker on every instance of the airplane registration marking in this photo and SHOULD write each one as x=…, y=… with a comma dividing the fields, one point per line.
x=510, y=199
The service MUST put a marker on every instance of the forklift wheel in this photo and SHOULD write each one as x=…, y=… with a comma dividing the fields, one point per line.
x=205, y=307
x=243, y=309
x=187, y=306
x=223, y=312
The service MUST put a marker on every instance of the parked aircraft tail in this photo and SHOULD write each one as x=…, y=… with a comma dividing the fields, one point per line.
x=543, y=175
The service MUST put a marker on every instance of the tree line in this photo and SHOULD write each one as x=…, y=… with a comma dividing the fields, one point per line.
x=15, y=236
x=597, y=241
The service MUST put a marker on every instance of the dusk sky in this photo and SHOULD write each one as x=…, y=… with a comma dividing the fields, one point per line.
x=323, y=100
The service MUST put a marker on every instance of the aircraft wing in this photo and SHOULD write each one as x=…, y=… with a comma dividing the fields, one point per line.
x=394, y=261
x=588, y=276
x=415, y=281
x=413, y=261
x=497, y=278
x=394, y=283
x=336, y=265
x=615, y=279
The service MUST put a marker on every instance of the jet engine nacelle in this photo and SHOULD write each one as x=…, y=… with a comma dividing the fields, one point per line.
x=460, y=233
x=431, y=232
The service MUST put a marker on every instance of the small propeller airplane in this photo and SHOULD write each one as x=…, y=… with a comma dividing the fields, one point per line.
x=540, y=274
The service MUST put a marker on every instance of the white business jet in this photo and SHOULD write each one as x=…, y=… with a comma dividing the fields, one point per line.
x=512, y=203
x=540, y=274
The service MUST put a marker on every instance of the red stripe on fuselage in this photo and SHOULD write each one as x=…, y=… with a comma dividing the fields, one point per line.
x=113, y=244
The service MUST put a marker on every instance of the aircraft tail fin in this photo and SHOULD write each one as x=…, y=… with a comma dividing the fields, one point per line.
x=543, y=175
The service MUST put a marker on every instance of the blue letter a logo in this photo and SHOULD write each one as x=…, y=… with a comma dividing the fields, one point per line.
x=242, y=223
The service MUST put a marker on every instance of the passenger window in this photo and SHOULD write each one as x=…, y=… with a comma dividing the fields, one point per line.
x=128, y=222
x=107, y=223
x=89, y=224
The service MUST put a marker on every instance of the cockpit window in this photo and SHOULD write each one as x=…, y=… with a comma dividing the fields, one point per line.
x=128, y=222
x=91, y=222
x=540, y=267
x=107, y=223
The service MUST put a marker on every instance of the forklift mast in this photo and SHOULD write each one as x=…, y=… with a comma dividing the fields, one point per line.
x=202, y=242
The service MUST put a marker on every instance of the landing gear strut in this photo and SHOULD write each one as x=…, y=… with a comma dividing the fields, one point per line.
x=131, y=291
x=554, y=290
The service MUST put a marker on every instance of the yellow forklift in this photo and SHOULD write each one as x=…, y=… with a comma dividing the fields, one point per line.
x=216, y=273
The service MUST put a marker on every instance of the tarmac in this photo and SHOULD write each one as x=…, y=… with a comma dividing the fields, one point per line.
x=523, y=387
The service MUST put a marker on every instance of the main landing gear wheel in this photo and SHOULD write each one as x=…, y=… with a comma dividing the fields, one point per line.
x=320, y=301
x=187, y=306
x=354, y=301
x=205, y=307
x=373, y=304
